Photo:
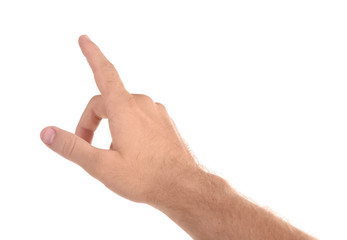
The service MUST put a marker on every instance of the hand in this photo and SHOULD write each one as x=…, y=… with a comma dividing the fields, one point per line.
x=148, y=162
x=147, y=154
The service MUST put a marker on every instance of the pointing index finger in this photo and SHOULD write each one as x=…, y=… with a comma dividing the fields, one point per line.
x=105, y=74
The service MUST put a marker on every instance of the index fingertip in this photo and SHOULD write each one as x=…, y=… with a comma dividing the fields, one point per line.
x=83, y=38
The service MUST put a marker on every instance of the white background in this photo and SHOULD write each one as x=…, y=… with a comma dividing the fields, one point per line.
x=257, y=89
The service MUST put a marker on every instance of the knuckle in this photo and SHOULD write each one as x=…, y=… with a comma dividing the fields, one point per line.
x=108, y=66
x=130, y=99
x=94, y=99
x=161, y=108
x=104, y=70
x=144, y=98
x=148, y=99
x=69, y=146
x=160, y=105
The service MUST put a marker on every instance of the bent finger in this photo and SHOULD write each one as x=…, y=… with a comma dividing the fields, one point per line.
x=91, y=118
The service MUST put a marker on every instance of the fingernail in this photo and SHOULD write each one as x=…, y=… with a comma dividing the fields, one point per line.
x=47, y=135
x=87, y=37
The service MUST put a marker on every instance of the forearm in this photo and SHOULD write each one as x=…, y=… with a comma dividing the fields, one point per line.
x=148, y=162
x=206, y=207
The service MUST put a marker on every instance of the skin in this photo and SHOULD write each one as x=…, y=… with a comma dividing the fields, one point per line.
x=148, y=162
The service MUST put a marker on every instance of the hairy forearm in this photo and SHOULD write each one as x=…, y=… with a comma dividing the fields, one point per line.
x=206, y=207
x=148, y=162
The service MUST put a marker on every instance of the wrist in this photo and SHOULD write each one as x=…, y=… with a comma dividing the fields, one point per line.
x=190, y=189
x=196, y=201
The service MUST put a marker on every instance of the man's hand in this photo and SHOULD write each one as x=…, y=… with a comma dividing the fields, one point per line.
x=148, y=162
x=147, y=154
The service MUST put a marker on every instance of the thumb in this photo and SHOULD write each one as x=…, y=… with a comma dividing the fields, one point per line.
x=71, y=147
